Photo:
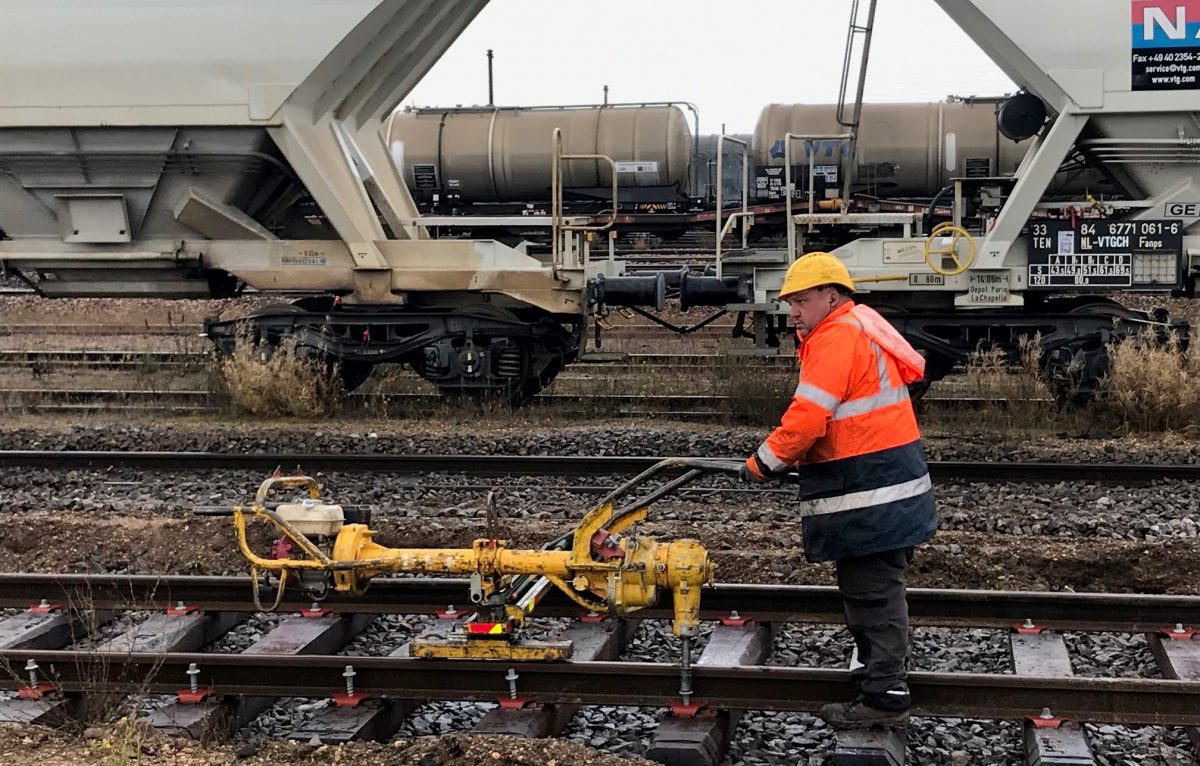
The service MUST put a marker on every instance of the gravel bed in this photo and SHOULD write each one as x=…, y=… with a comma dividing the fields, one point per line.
x=953, y=650
x=784, y=739
x=653, y=641
x=624, y=731
x=385, y=634
x=1133, y=745
x=1111, y=655
x=964, y=742
x=780, y=739
x=1076, y=509
x=246, y=633
x=541, y=438
x=442, y=718
x=546, y=628
x=811, y=646
x=1160, y=511
x=940, y=650
x=281, y=718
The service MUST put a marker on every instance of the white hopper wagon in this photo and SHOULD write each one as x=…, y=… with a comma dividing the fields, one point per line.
x=184, y=149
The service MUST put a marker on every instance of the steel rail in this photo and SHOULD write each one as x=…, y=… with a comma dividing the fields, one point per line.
x=100, y=359
x=26, y=328
x=968, y=695
x=1112, y=612
x=553, y=465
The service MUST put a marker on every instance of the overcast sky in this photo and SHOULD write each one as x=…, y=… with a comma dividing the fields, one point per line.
x=729, y=58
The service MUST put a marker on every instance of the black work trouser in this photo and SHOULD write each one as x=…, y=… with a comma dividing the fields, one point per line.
x=874, y=597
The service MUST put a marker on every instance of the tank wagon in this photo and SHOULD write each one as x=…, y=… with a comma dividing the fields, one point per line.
x=257, y=157
x=493, y=160
x=456, y=159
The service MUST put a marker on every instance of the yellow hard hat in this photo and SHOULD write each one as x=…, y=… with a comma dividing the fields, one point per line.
x=814, y=270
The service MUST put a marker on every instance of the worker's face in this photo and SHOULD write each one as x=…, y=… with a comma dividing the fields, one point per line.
x=808, y=308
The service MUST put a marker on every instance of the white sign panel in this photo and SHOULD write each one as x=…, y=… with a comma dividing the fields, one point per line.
x=637, y=166
x=903, y=252
x=987, y=287
x=926, y=279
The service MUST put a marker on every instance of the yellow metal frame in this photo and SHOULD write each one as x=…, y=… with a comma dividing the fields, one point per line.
x=618, y=585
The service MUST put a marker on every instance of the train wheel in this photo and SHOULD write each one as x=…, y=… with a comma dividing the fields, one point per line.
x=492, y=364
x=1075, y=371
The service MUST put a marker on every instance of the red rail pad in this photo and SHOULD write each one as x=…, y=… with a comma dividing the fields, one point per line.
x=175, y=611
x=516, y=703
x=1179, y=635
x=681, y=709
x=36, y=692
x=350, y=700
x=189, y=697
x=1053, y=722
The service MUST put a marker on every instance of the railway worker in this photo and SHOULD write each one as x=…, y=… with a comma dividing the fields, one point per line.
x=851, y=434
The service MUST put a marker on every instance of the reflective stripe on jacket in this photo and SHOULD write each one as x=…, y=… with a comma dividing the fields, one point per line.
x=851, y=430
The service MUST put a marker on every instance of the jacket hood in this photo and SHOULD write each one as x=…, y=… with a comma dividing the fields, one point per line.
x=908, y=359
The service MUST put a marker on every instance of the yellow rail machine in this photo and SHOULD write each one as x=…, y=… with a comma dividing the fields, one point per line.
x=602, y=564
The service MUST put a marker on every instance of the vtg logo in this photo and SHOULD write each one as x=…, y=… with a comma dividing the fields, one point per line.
x=1163, y=23
x=819, y=148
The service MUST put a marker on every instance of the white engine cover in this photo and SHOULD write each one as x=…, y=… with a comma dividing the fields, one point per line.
x=312, y=518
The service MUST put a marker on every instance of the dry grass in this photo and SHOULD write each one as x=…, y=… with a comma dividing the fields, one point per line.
x=277, y=384
x=756, y=394
x=998, y=394
x=1151, y=386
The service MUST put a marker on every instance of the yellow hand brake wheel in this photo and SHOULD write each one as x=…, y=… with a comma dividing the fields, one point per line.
x=956, y=233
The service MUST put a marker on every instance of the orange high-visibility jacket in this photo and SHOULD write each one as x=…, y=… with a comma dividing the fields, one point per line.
x=851, y=432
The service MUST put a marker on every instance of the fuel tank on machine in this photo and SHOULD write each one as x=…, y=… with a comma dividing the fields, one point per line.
x=502, y=154
x=904, y=150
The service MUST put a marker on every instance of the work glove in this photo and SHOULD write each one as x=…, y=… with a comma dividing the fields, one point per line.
x=747, y=476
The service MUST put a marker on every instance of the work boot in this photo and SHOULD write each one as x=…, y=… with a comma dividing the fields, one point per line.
x=859, y=715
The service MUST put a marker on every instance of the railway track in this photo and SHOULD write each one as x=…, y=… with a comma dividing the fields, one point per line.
x=555, y=465
x=690, y=407
x=697, y=408
x=189, y=330
x=48, y=361
x=929, y=607
x=726, y=679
